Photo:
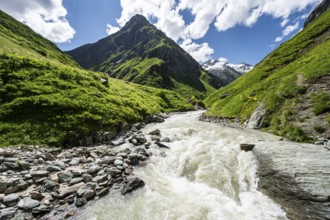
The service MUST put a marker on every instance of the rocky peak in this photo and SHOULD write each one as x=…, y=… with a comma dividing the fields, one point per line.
x=136, y=22
x=320, y=9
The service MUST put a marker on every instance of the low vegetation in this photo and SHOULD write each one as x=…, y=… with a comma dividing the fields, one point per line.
x=274, y=83
x=44, y=94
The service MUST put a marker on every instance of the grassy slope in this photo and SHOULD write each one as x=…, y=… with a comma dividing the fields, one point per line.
x=273, y=81
x=44, y=95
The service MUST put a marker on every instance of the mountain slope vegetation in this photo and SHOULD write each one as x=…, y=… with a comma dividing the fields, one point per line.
x=141, y=53
x=292, y=82
x=45, y=96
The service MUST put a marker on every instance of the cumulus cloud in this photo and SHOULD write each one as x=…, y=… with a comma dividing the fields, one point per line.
x=288, y=30
x=223, y=14
x=112, y=29
x=201, y=52
x=46, y=17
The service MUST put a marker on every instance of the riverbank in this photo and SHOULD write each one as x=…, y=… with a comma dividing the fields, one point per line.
x=295, y=175
x=35, y=181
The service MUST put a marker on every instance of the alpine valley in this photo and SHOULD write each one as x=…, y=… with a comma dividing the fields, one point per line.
x=111, y=126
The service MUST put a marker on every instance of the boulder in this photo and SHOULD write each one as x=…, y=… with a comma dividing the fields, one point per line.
x=53, y=169
x=7, y=213
x=11, y=199
x=162, y=145
x=155, y=132
x=49, y=156
x=255, y=122
x=28, y=203
x=39, y=173
x=64, y=177
x=74, y=161
x=49, y=184
x=132, y=184
x=103, y=192
x=246, y=147
x=94, y=169
x=80, y=202
x=42, y=209
x=90, y=194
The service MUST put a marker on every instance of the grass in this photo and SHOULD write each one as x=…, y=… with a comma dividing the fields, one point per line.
x=321, y=103
x=45, y=95
x=273, y=81
x=41, y=103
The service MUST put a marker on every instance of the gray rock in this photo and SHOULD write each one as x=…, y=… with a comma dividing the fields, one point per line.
x=28, y=203
x=132, y=156
x=118, y=142
x=59, y=164
x=39, y=173
x=94, y=169
x=90, y=194
x=42, y=209
x=11, y=199
x=49, y=184
x=165, y=139
x=80, y=202
x=87, y=177
x=74, y=161
x=102, y=178
x=25, y=165
x=132, y=184
x=77, y=172
x=107, y=160
x=155, y=132
x=103, y=192
x=257, y=117
x=81, y=191
x=118, y=162
x=7, y=213
x=12, y=166
x=49, y=156
x=75, y=181
x=64, y=177
x=53, y=169
x=66, y=191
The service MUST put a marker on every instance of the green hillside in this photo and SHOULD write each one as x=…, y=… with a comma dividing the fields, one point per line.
x=42, y=99
x=142, y=54
x=292, y=80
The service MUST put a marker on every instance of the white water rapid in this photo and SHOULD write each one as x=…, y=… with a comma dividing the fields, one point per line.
x=204, y=175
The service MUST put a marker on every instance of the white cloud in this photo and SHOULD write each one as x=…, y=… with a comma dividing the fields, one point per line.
x=223, y=14
x=46, y=17
x=201, y=52
x=112, y=29
x=288, y=30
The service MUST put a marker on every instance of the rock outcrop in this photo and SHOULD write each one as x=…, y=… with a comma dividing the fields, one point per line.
x=320, y=9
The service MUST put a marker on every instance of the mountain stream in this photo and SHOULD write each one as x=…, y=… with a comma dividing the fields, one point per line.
x=204, y=175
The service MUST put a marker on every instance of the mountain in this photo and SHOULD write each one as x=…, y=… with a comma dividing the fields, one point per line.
x=290, y=87
x=46, y=98
x=225, y=71
x=320, y=9
x=142, y=54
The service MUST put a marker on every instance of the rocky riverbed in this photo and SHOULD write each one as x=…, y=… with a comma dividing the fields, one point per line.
x=35, y=181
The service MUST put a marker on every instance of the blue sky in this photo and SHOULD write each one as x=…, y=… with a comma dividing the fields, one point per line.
x=240, y=31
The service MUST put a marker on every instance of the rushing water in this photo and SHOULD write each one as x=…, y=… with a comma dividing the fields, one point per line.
x=203, y=176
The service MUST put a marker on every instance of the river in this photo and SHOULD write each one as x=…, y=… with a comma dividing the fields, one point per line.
x=204, y=175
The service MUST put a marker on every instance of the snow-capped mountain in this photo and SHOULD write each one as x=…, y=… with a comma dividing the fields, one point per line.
x=225, y=71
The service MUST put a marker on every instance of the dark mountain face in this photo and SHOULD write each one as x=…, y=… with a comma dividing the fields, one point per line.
x=320, y=9
x=141, y=53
